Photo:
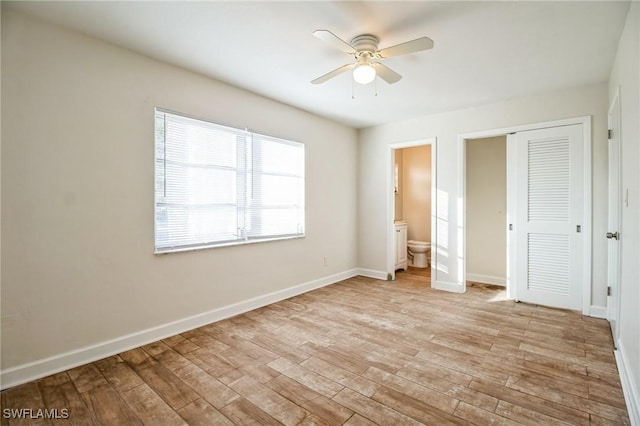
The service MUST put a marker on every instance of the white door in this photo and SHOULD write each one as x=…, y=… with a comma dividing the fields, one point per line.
x=613, y=259
x=549, y=214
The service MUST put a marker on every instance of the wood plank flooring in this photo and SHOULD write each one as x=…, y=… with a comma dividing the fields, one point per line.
x=360, y=352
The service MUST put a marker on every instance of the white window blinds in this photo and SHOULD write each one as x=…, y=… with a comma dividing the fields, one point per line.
x=217, y=185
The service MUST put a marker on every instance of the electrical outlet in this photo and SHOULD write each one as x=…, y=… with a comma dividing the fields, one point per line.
x=326, y=261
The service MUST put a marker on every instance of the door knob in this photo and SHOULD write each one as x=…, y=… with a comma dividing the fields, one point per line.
x=612, y=235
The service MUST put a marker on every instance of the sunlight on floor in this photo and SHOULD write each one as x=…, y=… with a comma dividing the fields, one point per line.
x=494, y=293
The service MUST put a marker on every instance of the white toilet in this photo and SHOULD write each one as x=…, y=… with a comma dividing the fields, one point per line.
x=418, y=253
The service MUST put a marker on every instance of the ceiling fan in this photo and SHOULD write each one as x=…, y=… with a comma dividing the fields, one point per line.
x=364, y=49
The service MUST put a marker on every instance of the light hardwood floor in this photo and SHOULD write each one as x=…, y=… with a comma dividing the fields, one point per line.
x=359, y=352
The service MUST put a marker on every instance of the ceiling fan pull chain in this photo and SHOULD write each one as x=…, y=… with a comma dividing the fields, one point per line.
x=353, y=89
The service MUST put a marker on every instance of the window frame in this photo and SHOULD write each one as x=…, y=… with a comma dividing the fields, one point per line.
x=248, y=173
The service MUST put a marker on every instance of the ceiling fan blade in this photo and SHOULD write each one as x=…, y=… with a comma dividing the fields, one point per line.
x=386, y=73
x=334, y=40
x=422, y=43
x=333, y=73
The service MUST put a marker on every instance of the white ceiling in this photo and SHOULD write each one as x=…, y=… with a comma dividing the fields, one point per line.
x=484, y=51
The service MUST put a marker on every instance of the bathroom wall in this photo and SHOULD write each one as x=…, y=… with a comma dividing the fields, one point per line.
x=416, y=191
x=486, y=204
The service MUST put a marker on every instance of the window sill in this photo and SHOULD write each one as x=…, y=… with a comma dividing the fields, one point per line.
x=181, y=249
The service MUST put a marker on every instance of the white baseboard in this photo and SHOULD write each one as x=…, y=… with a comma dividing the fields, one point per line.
x=629, y=387
x=487, y=279
x=44, y=367
x=452, y=287
x=371, y=273
x=598, y=311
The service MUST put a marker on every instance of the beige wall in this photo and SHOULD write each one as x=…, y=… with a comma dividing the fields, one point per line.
x=373, y=156
x=78, y=266
x=416, y=191
x=486, y=210
x=626, y=75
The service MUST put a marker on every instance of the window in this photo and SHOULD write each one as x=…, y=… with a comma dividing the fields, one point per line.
x=216, y=185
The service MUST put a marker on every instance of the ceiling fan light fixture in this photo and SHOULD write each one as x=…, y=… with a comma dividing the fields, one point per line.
x=364, y=74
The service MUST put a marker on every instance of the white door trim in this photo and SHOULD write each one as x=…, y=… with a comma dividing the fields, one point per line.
x=587, y=188
x=391, y=273
x=512, y=198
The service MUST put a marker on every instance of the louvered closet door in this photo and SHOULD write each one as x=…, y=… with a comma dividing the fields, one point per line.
x=549, y=216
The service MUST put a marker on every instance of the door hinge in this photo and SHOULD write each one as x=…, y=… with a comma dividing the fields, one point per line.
x=610, y=134
x=608, y=291
x=578, y=228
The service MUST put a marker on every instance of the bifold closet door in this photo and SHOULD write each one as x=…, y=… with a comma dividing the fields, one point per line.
x=549, y=214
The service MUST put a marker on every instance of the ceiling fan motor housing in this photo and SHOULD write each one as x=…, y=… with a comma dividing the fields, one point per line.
x=365, y=43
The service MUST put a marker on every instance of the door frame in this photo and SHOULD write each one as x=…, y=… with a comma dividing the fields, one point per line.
x=432, y=141
x=585, y=121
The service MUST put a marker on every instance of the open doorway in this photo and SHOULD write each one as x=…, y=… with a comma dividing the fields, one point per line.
x=486, y=210
x=412, y=208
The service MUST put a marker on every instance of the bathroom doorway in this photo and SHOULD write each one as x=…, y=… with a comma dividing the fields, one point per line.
x=412, y=208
